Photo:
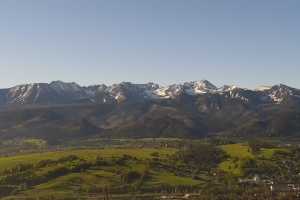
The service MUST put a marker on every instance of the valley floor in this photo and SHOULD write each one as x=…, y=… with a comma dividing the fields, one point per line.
x=154, y=169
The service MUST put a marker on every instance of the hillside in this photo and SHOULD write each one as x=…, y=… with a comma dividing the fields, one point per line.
x=59, y=111
x=153, y=169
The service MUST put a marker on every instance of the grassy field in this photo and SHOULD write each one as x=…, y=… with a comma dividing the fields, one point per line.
x=268, y=153
x=237, y=154
x=8, y=162
x=123, y=170
x=240, y=152
x=173, y=180
x=96, y=178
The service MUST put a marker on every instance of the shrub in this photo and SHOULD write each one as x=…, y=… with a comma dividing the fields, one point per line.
x=131, y=176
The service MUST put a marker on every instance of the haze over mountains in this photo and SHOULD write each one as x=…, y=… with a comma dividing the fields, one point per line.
x=60, y=110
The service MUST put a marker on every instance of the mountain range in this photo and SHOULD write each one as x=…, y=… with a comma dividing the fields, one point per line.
x=59, y=92
x=58, y=110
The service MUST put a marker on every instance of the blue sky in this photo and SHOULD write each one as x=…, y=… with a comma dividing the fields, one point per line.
x=242, y=42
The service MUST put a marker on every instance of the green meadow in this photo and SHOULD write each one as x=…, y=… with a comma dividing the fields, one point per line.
x=129, y=171
x=119, y=169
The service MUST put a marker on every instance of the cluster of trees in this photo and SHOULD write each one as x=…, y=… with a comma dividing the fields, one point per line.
x=256, y=145
x=201, y=156
x=284, y=166
x=26, y=173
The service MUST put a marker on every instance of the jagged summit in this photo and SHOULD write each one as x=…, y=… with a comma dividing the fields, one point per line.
x=59, y=92
x=195, y=108
x=200, y=87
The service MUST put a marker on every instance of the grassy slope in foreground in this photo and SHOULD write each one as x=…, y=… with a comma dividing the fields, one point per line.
x=81, y=183
x=9, y=162
x=237, y=153
x=240, y=152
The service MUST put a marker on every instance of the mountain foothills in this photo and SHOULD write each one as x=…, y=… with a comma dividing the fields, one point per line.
x=59, y=111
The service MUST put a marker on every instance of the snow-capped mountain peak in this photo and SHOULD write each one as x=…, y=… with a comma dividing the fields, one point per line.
x=280, y=92
x=63, y=86
x=228, y=88
x=263, y=88
x=205, y=85
x=61, y=92
x=199, y=87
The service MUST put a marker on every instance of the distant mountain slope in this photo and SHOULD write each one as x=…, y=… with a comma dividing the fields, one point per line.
x=59, y=92
x=58, y=110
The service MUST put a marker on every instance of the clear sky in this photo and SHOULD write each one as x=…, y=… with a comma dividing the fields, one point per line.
x=242, y=42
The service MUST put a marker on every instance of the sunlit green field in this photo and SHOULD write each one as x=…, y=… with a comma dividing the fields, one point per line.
x=237, y=153
x=240, y=152
x=91, y=180
x=74, y=173
x=8, y=162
